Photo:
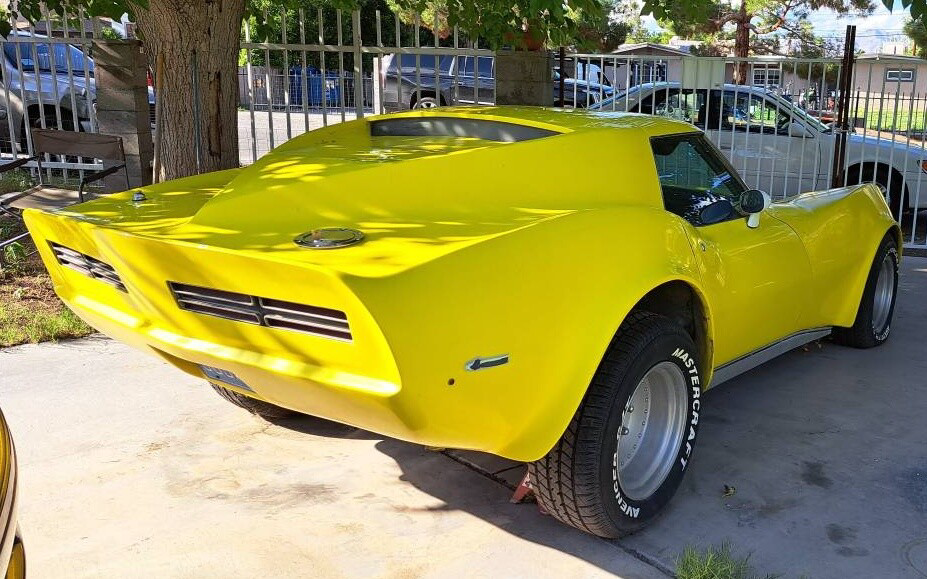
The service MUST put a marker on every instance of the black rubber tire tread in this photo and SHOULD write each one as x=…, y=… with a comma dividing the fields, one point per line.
x=565, y=480
x=861, y=335
x=253, y=405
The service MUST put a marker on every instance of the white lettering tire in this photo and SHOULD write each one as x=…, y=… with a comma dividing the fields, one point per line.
x=629, y=444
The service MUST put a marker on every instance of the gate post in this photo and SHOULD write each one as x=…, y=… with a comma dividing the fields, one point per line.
x=842, y=124
x=523, y=77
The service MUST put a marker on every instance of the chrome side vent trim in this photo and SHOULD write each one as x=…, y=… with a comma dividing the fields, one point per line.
x=268, y=312
x=87, y=265
x=238, y=307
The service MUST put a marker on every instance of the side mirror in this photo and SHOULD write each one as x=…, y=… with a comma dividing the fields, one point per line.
x=720, y=210
x=752, y=203
x=798, y=130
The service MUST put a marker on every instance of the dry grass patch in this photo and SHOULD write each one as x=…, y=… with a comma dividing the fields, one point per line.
x=30, y=312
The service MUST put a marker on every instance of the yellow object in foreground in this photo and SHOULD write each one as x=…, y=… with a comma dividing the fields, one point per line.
x=461, y=272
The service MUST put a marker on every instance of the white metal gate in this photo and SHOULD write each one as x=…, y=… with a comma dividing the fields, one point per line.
x=47, y=80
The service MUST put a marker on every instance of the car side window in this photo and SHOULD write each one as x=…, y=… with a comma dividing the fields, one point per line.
x=693, y=175
x=484, y=66
x=466, y=65
x=683, y=105
x=744, y=112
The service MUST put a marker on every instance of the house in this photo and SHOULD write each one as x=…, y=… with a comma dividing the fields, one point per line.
x=891, y=74
x=651, y=62
x=638, y=63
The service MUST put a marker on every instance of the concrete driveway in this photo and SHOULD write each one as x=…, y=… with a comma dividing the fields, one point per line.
x=130, y=468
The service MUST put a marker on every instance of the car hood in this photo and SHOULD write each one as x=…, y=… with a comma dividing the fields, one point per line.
x=586, y=85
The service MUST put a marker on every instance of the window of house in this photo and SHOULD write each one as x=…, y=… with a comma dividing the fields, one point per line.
x=648, y=71
x=899, y=75
x=767, y=75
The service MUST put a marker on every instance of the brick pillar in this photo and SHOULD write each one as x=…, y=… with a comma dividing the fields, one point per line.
x=122, y=105
x=524, y=77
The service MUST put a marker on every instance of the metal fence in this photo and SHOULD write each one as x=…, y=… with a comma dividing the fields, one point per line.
x=48, y=82
x=773, y=118
x=782, y=138
x=288, y=87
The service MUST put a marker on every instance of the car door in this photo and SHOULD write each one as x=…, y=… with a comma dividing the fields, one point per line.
x=755, y=132
x=475, y=79
x=756, y=279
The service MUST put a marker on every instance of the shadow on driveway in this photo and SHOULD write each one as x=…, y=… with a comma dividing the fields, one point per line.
x=825, y=447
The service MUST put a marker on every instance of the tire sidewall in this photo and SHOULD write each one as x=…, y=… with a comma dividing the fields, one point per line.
x=886, y=249
x=679, y=349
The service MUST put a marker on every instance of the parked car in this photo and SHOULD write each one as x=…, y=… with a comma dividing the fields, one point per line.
x=569, y=319
x=780, y=146
x=12, y=552
x=37, y=79
x=409, y=82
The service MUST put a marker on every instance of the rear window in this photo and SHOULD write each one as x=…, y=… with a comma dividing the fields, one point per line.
x=457, y=127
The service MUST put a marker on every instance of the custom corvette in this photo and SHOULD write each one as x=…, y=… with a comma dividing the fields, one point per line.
x=369, y=273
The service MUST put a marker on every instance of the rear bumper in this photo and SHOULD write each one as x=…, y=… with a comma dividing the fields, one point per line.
x=353, y=381
x=356, y=382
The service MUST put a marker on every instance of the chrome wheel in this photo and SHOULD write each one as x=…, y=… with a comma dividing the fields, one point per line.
x=651, y=432
x=426, y=103
x=884, y=294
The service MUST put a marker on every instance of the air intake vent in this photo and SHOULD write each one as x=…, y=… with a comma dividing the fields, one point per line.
x=262, y=311
x=87, y=265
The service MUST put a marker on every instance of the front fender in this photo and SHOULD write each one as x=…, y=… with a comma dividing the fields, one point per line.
x=550, y=296
x=841, y=229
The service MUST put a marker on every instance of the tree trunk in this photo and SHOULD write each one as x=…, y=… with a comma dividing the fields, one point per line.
x=198, y=41
x=742, y=44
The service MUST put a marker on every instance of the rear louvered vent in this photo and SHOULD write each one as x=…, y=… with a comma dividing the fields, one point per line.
x=262, y=311
x=87, y=265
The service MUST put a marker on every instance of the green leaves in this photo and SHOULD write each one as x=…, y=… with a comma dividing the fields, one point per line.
x=916, y=30
x=521, y=23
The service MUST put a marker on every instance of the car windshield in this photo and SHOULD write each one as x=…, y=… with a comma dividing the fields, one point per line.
x=800, y=113
x=613, y=100
x=31, y=53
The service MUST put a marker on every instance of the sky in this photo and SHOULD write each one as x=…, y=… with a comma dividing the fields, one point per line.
x=871, y=32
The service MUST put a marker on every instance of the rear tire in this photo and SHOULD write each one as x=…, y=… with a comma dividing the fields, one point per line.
x=626, y=449
x=253, y=405
x=873, y=322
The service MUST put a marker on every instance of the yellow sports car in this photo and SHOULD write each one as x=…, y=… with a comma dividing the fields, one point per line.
x=552, y=287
